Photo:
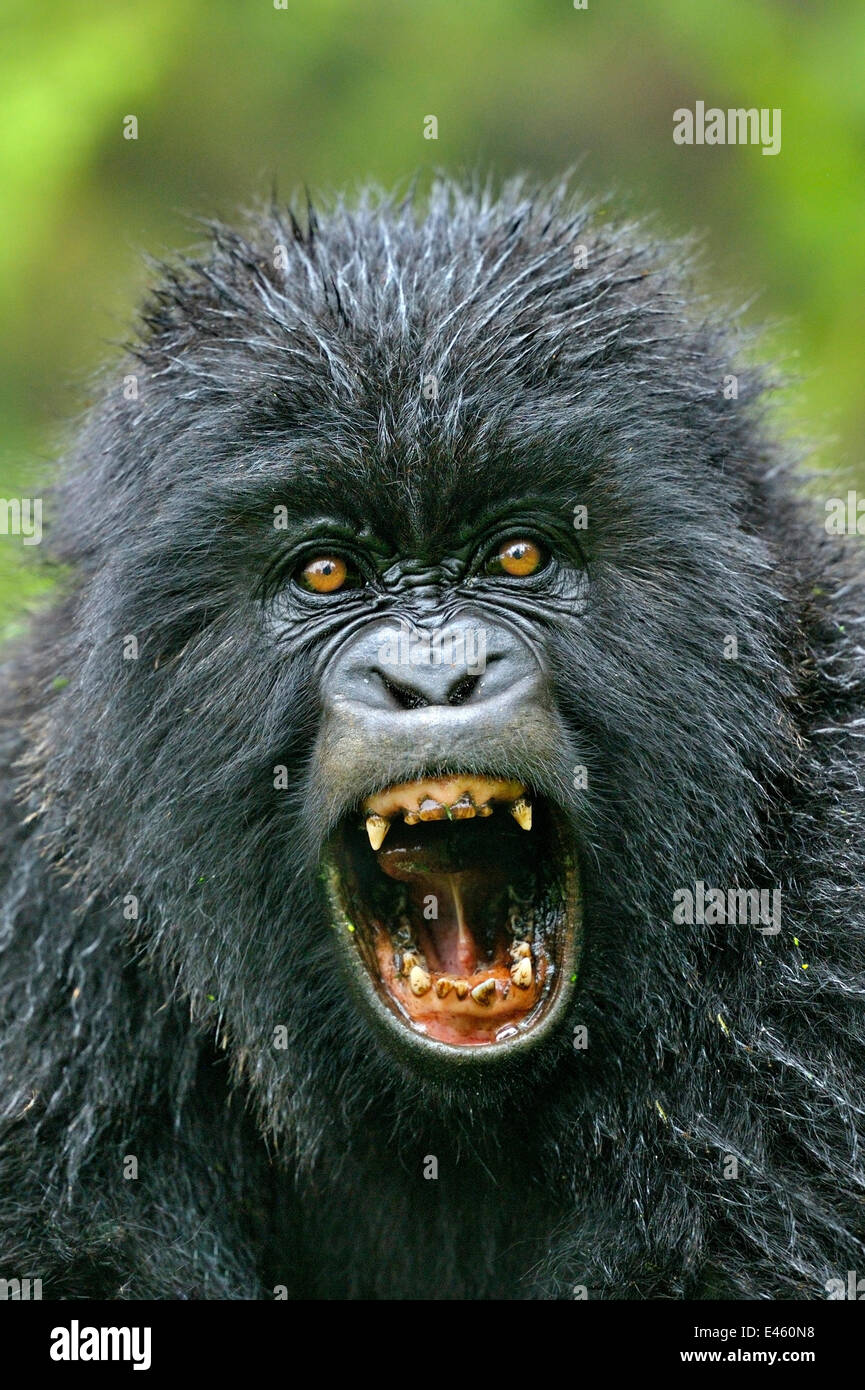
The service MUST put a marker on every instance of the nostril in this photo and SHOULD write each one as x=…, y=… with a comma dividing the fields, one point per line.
x=410, y=697
x=404, y=696
x=462, y=691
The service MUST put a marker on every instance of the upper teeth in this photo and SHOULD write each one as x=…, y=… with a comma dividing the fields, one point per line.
x=376, y=828
x=449, y=798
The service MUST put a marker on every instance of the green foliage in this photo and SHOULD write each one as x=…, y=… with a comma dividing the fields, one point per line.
x=232, y=98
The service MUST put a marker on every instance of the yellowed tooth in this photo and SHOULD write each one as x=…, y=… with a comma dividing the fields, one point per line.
x=376, y=828
x=485, y=810
x=443, y=790
x=431, y=810
x=409, y=961
x=411, y=817
x=521, y=810
x=519, y=950
x=521, y=973
x=419, y=981
x=462, y=988
x=484, y=993
x=444, y=987
x=464, y=809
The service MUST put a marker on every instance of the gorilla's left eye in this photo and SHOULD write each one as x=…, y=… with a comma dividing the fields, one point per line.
x=325, y=574
x=518, y=557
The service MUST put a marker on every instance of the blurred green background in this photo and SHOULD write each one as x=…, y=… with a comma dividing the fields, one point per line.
x=232, y=95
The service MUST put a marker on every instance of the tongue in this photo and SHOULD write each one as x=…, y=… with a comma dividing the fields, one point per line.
x=450, y=901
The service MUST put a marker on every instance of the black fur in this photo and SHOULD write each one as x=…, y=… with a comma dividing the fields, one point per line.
x=153, y=777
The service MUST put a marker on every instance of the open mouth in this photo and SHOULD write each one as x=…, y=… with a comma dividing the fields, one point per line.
x=460, y=898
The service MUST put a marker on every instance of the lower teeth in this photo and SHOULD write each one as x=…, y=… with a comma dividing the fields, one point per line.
x=419, y=980
x=410, y=964
x=484, y=993
x=521, y=973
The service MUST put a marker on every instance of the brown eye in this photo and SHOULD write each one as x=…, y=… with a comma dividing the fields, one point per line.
x=519, y=558
x=324, y=575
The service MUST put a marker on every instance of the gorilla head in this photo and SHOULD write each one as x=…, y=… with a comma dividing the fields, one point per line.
x=440, y=613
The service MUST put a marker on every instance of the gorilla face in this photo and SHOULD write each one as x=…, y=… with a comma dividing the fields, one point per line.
x=451, y=874
x=430, y=544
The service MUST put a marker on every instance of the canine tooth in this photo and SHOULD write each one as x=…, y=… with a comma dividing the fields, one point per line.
x=484, y=992
x=419, y=981
x=521, y=973
x=464, y=809
x=376, y=828
x=519, y=950
x=521, y=810
x=444, y=987
x=432, y=810
x=462, y=988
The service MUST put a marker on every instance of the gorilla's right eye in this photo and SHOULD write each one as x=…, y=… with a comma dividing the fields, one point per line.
x=325, y=574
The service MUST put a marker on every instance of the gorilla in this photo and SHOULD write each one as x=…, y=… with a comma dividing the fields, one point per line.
x=433, y=832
